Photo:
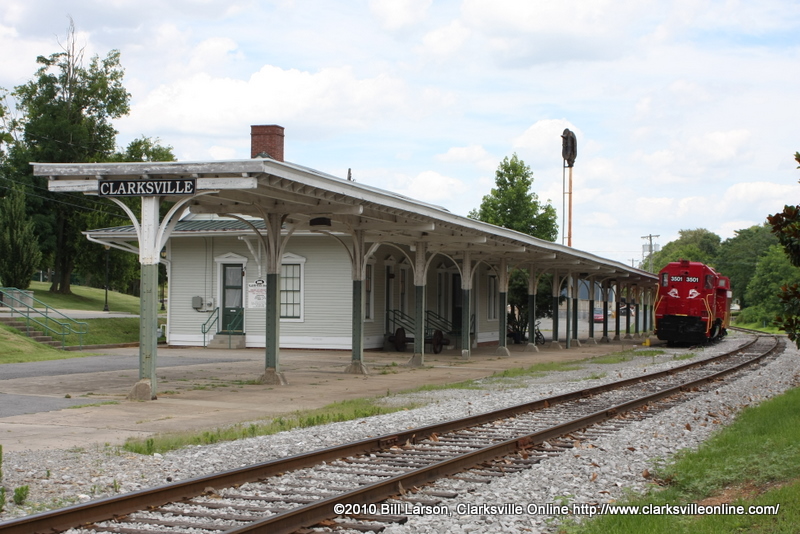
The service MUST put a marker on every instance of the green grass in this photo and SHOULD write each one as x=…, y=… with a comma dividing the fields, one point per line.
x=757, y=459
x=85, y=298
x=537, y=369
x=114, y=330
x=332, y=413
x=109, y=331
x=769, y=329
x=104, y=403
x=466, y=384
x=16, y=348
x=596, y=376
x=624, y=356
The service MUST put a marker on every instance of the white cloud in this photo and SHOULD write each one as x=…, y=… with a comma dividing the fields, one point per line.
x=473, y=154
x=396, y=14
x=524, y=33
x=720, y=146
x=541, y=143
x=324, y=100
x=445, y=41
x=428, y=186
x=602, y=219
x=688, y=92
x=690, y=207
x=222, y=152
x=213, y=52
x=727, y=229
x=764, y=198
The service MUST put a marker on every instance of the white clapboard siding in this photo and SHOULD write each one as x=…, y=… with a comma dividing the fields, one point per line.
x=326, y=320
x=191, y=275
x=328, y=289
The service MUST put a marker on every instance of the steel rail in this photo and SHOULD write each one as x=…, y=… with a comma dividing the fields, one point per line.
x=310, y=514
x=113, y=507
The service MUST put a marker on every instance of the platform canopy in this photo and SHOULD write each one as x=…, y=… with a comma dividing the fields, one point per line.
x=307, y=199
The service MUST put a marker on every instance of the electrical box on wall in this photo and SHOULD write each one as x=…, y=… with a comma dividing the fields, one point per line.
x=202, y=304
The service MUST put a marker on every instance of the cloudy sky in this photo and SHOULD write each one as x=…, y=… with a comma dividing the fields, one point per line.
x=686, y=112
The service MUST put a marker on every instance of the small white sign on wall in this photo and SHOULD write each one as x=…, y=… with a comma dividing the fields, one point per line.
x=257, y=294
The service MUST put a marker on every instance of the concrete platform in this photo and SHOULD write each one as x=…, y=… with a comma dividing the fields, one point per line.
x=204, y=388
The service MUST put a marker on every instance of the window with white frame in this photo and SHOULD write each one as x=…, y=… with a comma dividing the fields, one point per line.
x=491, y=295
x=291, y=291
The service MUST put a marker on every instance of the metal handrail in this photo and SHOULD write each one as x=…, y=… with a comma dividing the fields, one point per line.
x=398, y=318
x=434, y=321
x=25, y=310
x=206, y=327
x=235, y=325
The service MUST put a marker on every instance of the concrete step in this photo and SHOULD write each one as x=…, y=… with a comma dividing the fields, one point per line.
x=13, y=322
x=221, y=341
x=35, y=335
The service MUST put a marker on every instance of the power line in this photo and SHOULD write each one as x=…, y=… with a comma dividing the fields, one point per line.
x=66, y=203
x=87, y=198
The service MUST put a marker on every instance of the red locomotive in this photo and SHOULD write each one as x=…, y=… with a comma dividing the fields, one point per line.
x=693, y=303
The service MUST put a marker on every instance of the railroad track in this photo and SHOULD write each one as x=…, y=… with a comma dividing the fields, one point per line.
x=310, y=489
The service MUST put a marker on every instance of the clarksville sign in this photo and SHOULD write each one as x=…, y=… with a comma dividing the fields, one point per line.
x=144, y=188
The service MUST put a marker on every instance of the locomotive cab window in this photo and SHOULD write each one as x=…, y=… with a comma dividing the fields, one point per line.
x=664, y=279
x=709, y=281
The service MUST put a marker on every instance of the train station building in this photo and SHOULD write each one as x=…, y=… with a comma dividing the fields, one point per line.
x=267, y=253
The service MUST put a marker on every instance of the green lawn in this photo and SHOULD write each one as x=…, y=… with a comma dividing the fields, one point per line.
x=754, y=461
x=16, y=348
x=85, y=298
x=109, y=331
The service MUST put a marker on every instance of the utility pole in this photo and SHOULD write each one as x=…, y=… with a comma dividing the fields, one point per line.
x=650, y=250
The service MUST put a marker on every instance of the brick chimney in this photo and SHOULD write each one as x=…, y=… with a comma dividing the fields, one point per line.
x=266, y=139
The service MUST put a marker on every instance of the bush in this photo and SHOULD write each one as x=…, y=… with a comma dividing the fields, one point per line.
x=755, y=315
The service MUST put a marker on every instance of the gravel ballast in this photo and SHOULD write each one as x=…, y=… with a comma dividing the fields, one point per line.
x=593, y=472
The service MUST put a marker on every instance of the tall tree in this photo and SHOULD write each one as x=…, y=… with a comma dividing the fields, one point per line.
x=772, y=271
x=66, y=118
x=738, y=256
x=786, y=225
x=513, y=204
x=19, y=251
x=694, y=245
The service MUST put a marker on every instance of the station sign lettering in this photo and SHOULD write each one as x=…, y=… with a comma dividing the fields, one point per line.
x=146, y=188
